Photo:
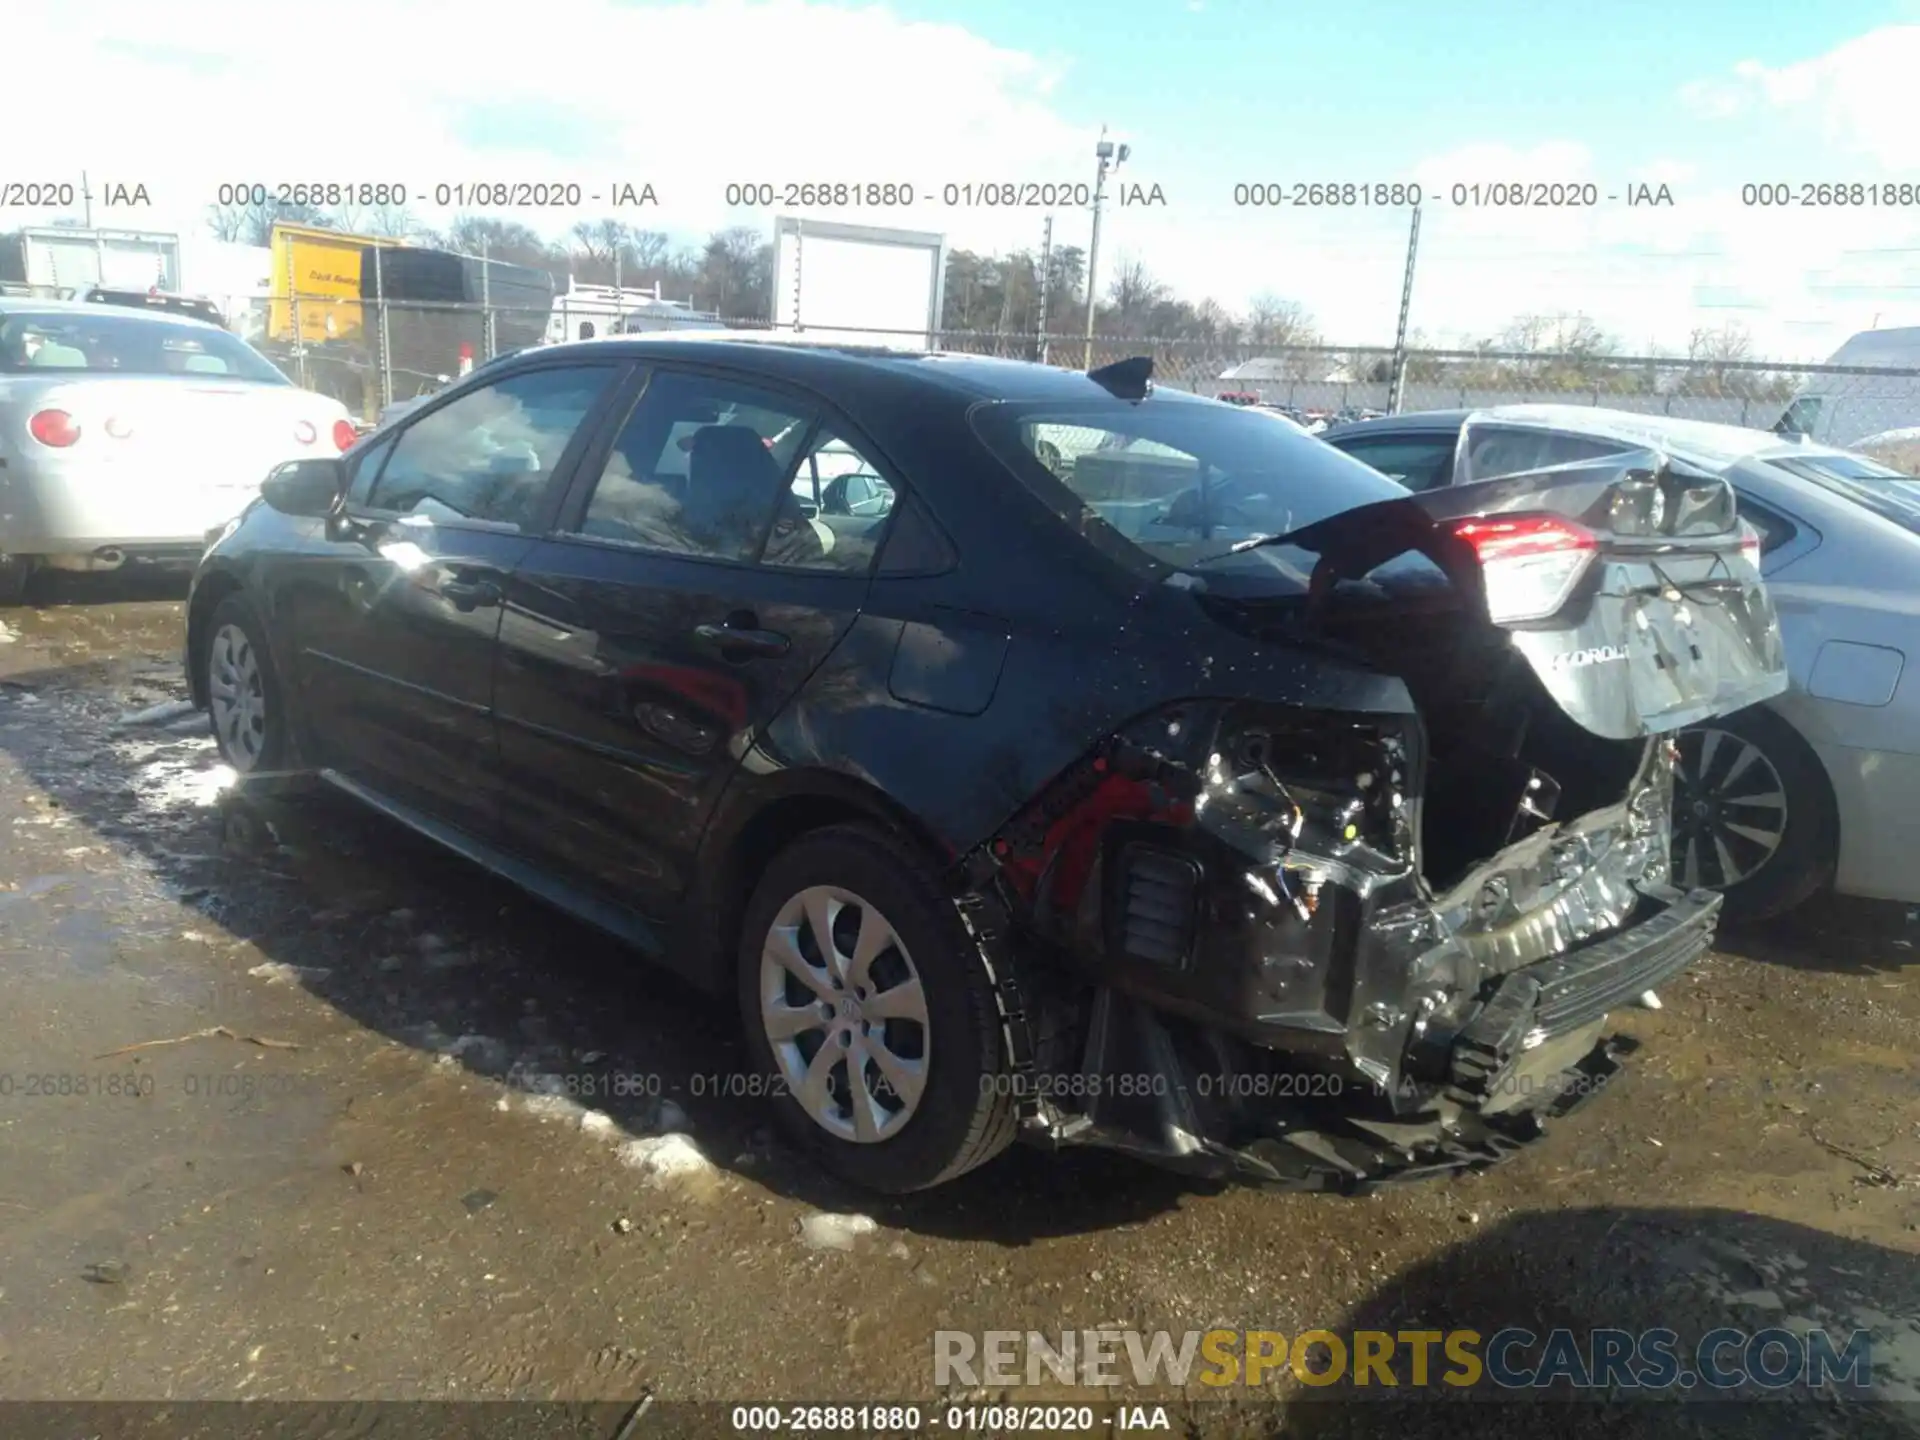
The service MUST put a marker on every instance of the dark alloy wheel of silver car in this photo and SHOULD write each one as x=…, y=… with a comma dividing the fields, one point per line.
x=1752, y=816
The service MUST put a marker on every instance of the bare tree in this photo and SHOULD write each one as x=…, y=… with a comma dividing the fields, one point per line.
x=1713, y=353
x=1134, y=295
x=1285, y=323
x=598, y=241
x=229, y=223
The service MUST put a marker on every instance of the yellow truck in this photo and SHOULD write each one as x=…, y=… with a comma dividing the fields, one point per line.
x=316, y=283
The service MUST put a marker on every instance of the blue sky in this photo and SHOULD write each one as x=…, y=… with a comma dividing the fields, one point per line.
x=1703, y=95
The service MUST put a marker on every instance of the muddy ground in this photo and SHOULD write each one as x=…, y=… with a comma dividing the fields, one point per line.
x=434, y=1182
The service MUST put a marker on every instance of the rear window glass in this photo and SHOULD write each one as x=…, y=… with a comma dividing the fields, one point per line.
x=1888, y=493
x=100, y=342
x=1183, y=481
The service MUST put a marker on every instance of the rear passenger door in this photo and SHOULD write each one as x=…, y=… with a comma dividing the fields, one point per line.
x=686, y=598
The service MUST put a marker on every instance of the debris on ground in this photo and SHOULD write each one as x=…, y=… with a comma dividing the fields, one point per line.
x=478, y=1200
x=156, y=714
x=835, y=1232
x=623, y=1226
x=212, y=1032
x=107, y=1272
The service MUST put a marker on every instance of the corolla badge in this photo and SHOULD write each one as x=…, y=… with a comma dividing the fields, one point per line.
x=1593, y=655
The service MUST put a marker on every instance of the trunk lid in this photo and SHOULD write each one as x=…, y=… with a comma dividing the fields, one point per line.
x=208, y=440
x=1628, y=584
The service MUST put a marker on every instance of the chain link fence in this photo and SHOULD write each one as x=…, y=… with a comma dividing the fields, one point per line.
x=369, y=353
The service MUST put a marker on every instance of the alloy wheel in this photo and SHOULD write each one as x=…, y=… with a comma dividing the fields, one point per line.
x=845, y=1014
x=236, y=693
x=1729, y=809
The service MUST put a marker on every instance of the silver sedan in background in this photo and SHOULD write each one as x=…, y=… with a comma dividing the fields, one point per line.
x=1821, y=785
x=126, y=436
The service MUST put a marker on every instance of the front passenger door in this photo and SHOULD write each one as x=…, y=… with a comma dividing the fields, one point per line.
x=394, y=627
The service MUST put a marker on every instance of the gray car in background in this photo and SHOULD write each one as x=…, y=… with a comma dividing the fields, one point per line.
x=1819, y=786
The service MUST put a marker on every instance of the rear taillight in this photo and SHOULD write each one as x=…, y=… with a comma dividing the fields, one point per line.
x=54, y=427
x=304, y=433
x=1530, y=562
x=343, y=435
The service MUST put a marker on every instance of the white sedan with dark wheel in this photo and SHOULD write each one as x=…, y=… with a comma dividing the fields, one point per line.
x=1819, y=786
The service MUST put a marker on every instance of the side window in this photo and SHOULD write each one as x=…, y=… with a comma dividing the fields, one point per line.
x=490, y=454
x=1498, y=452
x=1419, y=463
x=915, y=544
x=366, y=470
x=699, y=468
x=1775, y=529
x=842, y=497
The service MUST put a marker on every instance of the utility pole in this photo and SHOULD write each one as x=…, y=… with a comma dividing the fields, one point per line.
x=1399, y=385
x=86, y=195
x=1109, y=157
x=1046, y=282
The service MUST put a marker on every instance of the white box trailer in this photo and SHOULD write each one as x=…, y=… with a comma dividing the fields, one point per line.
x=864, y=284
x=64, y=258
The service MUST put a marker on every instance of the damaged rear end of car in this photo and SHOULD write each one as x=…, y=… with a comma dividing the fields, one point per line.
x=1333, y=950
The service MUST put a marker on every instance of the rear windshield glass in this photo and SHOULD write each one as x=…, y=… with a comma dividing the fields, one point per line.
x=1884, y=491
x=1182, y=480
x=105, y=343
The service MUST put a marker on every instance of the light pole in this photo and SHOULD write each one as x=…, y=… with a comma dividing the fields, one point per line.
x=1110, y=157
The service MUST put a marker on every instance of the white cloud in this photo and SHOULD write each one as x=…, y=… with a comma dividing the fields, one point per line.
x=187, y=95
x=690, y=97
x=1859, y=94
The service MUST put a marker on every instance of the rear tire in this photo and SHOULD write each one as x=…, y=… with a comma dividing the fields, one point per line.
x=906, y=998
x=1753, y=815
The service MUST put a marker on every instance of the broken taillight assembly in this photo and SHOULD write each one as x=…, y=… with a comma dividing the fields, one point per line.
x=1529, y=563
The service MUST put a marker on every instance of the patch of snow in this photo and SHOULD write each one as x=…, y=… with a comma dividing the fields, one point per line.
x=665, y=1157
x=835, y=1232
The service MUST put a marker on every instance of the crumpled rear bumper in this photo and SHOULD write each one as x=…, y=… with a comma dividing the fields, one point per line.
x=1528, y=1050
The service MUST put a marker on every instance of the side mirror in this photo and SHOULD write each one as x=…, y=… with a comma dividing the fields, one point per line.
x=307, y=488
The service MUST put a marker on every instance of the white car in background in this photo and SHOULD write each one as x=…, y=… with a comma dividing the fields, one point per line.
x=127, y=436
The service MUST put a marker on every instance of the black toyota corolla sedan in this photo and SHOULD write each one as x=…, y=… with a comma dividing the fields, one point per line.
x=1030, y=753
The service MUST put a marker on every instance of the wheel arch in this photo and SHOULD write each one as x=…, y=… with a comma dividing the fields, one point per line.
x=1829, y=796
x=214, y=586
x=754, y=823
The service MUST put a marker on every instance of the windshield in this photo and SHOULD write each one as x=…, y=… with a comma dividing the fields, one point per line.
x=104, y=343
x=1182, y=480
x=1888, y=493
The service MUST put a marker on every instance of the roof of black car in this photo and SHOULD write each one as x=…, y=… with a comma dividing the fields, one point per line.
x=813, y=361
x=1415, y=420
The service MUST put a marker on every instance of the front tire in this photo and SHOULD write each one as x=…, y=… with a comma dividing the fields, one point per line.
x=15, y=572
x=244, y=700
x=1753, y=815
x=869, y=1017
